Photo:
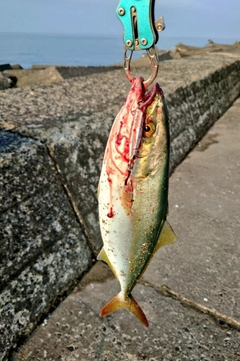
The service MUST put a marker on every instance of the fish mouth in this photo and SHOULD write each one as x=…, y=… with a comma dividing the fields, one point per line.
x=136, y=177
x=128, y=176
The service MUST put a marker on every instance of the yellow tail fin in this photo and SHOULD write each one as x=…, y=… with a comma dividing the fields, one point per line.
x=129, y=303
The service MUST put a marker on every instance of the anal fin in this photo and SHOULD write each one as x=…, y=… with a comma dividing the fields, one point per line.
x=102, y=256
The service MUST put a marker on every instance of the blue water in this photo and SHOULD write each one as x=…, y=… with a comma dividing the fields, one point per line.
x=29, y=49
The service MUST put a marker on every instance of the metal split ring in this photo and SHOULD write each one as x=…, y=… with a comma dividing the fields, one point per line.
x=152, y=55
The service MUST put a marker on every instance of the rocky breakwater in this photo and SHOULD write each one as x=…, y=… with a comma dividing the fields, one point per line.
x=184, y=51
x=5, y=82
x=15, y=76
x=52, y=140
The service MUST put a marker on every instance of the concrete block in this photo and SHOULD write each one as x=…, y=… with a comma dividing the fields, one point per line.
x=77, y=150
x=43, y=249
x=5, y=82
x=194, y=108
x=27, y=77
x=5, y=67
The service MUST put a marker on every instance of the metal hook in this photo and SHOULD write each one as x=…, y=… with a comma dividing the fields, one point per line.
x=154, y=63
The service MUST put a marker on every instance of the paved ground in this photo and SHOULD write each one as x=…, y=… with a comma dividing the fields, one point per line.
x=197, y=316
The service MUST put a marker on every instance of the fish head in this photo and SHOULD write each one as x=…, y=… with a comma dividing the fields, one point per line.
x=126, y=130
x=136, y=144
x=154, y=143
x=123, y=142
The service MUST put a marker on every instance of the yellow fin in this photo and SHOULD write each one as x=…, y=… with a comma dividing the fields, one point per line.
x=98, y=190
x=167, y=236
x=102, y=256
x=129, y=303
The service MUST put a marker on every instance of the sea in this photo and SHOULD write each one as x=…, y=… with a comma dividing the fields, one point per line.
x=78, y=50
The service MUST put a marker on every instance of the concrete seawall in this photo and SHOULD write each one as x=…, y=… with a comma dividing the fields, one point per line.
x=51, y=147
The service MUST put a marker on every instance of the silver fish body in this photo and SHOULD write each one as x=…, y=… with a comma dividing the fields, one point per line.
x=133, y=191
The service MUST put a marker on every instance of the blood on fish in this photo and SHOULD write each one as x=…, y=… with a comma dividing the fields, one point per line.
x=131, y=236
x=127, y=195
x=120, y=159
x=125, y=151
x=122, y=142
x=109, y=179
x=111, y=213
x=119, y=136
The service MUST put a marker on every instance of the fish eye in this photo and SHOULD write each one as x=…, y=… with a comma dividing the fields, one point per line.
x=148, y=130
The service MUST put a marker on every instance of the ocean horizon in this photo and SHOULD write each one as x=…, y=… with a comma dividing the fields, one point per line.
x=78, y=50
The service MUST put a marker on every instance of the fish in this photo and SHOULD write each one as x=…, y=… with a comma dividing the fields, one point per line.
x=133, y=191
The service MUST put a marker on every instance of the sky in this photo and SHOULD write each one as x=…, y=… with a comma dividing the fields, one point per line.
x=184, y=18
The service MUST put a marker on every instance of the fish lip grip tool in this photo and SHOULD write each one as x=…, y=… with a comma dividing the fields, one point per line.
x=140, y=32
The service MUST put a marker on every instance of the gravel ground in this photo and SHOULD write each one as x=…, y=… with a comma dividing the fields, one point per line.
x=99, y=92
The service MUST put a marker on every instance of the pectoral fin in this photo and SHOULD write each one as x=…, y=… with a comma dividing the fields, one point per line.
x=167, y=236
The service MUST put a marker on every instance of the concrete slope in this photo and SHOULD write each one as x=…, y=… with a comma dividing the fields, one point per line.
x=52, y=140
x=190, y=292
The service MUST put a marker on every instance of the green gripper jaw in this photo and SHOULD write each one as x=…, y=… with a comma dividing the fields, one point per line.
x=138, y=22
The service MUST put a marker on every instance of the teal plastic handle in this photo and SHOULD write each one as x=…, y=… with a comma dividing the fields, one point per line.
x=144, y=19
